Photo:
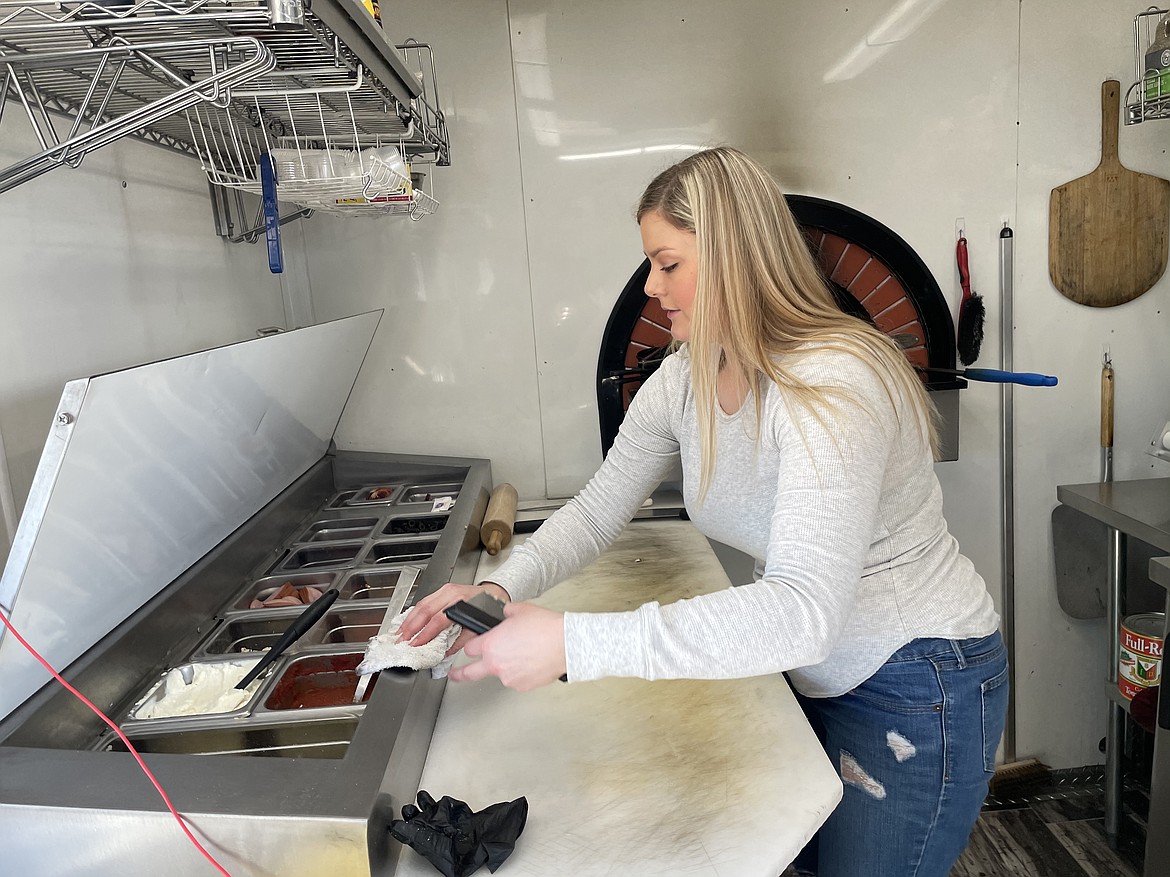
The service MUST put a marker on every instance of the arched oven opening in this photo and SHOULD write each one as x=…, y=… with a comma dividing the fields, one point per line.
x=873, y=273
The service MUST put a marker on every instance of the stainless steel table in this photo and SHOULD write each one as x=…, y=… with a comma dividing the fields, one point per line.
x=1129, y=508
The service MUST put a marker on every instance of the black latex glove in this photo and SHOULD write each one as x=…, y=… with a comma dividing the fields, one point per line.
x=457, y=841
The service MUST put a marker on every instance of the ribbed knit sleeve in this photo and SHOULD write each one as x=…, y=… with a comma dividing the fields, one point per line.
x=839, y=505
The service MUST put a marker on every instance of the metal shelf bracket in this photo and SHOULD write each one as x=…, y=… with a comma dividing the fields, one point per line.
x=1149, y=96
x=146, y=68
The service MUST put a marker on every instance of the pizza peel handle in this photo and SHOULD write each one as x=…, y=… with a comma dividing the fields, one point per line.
x=1108, y=230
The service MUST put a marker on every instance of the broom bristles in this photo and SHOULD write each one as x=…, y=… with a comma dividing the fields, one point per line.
x=1011, y=776
x=970, y=333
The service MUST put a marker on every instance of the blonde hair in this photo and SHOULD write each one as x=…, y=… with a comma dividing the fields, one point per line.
x=760, y=297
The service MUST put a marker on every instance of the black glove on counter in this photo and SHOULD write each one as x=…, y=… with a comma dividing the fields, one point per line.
x=457, y=841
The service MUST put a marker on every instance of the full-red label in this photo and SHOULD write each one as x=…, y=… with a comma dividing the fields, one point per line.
x=1139, y=664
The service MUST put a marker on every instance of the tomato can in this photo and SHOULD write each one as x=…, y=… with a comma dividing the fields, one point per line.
x=1140, y=659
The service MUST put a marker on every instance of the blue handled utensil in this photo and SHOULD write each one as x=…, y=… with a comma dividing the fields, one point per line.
x=994, y=376
x=271, y=214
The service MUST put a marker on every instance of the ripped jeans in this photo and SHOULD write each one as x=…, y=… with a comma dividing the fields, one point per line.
x=915, y=747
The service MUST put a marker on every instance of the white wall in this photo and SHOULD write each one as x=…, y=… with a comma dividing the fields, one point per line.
x=532, y=247
x=1057, y=432
x=918, y=112
x=452, y=369
x=110, y=265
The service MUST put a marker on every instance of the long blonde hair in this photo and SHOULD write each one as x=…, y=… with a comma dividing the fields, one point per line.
x=760, y=296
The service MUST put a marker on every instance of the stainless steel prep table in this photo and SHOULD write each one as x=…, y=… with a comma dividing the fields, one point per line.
x=216, y=466
x=1140, y=509
x=623, y=777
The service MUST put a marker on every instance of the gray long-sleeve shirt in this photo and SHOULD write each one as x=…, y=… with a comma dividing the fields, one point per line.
x=843, y=514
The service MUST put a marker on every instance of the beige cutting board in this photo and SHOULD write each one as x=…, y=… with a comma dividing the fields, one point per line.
x=625, y=777
x=1107, y=230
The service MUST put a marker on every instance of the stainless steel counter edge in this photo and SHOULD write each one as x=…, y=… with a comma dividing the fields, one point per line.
x=1139, y=508
x=1160, y=571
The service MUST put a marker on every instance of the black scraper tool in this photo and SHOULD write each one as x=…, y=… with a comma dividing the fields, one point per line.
x=304, y=621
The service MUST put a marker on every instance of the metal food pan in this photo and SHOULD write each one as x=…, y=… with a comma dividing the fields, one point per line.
x=324, y=737
x=265, y=587
x=259, y=631
x=367, y=495
x=413, y=525
x=310, y=558
x=245, y=633
x=357, y=626
x=339, y=529
x=428, y=493
x=373, y=585
x=159, y=688
x=315, y=683
x=399, y=551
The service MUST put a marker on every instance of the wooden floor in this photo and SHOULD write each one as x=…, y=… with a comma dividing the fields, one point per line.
x=1060, y=838
x=1064, y=837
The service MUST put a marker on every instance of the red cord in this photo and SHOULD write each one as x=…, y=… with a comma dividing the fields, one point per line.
x=122, y=737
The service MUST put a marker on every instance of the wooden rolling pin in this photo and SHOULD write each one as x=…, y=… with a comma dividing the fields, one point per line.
x=496, y=530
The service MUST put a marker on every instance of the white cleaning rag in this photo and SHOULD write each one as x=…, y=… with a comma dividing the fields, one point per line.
x=383, y=652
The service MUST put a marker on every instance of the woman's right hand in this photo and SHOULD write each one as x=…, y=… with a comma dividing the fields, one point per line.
x=426, y=620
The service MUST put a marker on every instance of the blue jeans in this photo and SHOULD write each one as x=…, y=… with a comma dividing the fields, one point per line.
x=915, y=748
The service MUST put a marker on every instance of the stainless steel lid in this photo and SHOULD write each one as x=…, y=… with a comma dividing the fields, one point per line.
x=145, y=470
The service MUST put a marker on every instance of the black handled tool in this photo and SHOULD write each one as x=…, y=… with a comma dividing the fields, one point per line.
x=480, y=614
x=304, y=621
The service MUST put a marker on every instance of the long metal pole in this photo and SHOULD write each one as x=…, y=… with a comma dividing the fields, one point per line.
x=1115, y=724
x=1007, y=486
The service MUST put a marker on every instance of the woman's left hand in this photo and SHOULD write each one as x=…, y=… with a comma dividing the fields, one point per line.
x=526, y=650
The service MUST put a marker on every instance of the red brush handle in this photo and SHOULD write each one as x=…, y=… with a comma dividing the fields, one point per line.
x=964, y=271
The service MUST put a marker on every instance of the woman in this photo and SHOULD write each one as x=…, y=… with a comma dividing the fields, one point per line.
x=806, y=440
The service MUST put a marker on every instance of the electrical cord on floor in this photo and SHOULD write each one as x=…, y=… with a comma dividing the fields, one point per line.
x=129, y=746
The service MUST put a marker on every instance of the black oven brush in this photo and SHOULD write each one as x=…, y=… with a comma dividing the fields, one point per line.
x=303, y=622
x=971, y=310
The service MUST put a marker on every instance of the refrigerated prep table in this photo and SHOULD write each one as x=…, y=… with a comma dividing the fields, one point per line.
x=182, y=515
